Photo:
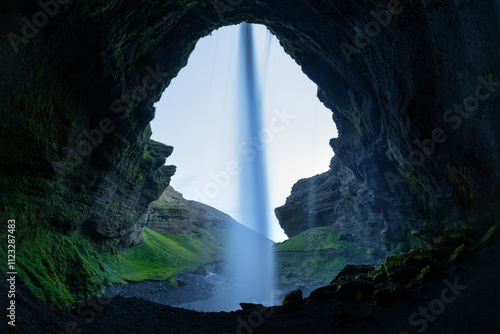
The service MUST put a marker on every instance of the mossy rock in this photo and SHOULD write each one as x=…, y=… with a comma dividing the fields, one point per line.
x=402, y=274
x=401, y=247
x=323, y=293
x=359, y=289
x=421, y=257
x=351, y=270
x=459, y=253
x=396, y=260
x=404, y=268
x=200, y=270
x=451, y=238
x=388, y=293
x=422, y=277
x=416, y=258
x=489, y=235
x=378, y=275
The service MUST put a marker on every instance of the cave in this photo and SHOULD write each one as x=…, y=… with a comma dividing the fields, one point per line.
x=412, y=86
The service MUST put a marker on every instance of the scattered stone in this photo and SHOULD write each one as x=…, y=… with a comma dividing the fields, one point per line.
x=252, y=307
x=200, y=270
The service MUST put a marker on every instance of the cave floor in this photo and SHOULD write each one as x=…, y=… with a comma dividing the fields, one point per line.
x=474, y=309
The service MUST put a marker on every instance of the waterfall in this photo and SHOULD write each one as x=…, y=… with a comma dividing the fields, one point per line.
x=253, y=267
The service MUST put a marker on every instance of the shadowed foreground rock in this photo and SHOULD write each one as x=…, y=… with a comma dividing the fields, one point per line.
x=460, y=298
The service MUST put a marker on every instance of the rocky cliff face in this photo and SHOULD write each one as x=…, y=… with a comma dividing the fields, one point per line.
x=412, y=86
x=203, y=230
x=336, y=199
x=172, y=213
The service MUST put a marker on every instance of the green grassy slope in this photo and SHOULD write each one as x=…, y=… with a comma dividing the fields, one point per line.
x=315, y=256
x=162, y=256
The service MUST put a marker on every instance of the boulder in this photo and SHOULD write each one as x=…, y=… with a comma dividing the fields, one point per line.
x=293, y=300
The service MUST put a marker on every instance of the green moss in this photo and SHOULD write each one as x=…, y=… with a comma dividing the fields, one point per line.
x=457, y=253
x=162, y=256
x=64, y=269
x=357, y=119
x=320, y=238
x=415, y=257
x=400, y=247
x=317, y=255
x=293, y=223
x=452, y=237
x=171, y=211
x=61, y=269
x=489, y=234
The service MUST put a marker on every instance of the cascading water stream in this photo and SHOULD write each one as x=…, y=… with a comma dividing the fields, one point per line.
x=253, y=270
x=253, y=177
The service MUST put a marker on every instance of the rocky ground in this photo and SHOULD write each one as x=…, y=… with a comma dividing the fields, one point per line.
x=190, y=287
x=461, y=298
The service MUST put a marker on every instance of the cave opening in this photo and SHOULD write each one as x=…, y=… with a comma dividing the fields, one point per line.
x=200, y=115
x=77, y=205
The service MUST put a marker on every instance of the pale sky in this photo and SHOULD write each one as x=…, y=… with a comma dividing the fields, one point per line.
x=198, y=116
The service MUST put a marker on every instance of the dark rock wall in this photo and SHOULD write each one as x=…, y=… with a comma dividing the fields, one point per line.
x=402, y=87
x=171, y=213
x=100, y=65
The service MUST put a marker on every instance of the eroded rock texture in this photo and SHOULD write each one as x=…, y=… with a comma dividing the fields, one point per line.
x=337, y=199
x=78, y=90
